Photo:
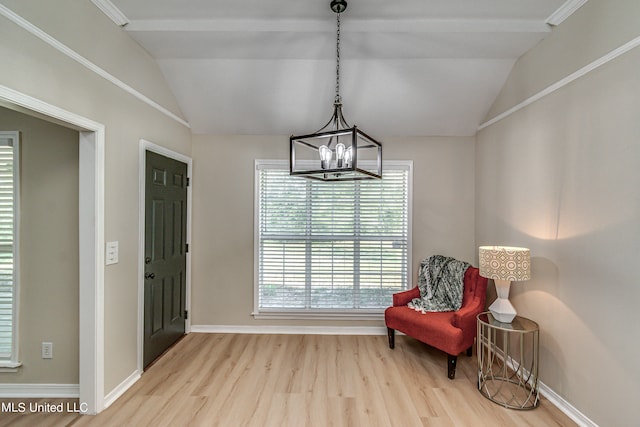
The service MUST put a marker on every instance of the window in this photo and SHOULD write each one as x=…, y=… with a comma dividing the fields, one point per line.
x=330, y=249
x=8, y=248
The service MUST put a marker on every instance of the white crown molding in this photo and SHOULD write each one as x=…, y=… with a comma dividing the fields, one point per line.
x=565, y=81
x=39, y=391
x=290, y=330
x=565, y=11
x=112, y=11
x=323, y=26
x=56, y=44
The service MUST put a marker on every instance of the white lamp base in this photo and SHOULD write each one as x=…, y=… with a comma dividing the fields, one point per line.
x=502, y=309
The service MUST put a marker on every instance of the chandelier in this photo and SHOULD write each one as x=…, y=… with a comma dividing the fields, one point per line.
x=337, y=151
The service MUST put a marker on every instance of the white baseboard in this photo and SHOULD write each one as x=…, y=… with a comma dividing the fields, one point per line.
x=290, y=330
x=554, y=398
x=566, y=407
x=39, y=390
x=119, y=390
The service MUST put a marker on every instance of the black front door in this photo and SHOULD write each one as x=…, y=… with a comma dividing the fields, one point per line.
x=165, y=254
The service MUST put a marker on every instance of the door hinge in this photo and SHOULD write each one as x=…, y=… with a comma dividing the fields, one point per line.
x=186, y=247
x=188, y=181
x=186, y=314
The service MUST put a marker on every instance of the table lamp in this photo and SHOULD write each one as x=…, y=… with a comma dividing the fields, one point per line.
x=504, y=264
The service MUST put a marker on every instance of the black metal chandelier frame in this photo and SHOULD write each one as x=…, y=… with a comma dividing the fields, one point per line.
x=329, y=140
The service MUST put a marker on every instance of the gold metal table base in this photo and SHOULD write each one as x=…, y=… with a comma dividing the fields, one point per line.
x=508, y=361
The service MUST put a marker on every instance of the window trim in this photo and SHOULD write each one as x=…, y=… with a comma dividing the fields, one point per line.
x=10, y=364
x=320, y=314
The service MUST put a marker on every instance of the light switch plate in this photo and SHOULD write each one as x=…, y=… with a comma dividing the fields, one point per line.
x=47, y=350
x=112, y=253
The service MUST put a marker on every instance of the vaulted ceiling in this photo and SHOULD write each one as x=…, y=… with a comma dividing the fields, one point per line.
x=408, y=67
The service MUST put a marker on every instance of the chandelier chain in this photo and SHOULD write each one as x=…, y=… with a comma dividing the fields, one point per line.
x=336, y=139
x=337, y=98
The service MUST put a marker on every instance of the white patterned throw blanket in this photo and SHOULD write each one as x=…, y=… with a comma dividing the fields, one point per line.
x=441, y=283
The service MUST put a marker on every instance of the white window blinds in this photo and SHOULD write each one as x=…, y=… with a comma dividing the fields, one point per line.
x=8, y=193
x=331, y=247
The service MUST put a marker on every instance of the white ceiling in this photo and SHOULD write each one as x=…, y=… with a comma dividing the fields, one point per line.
x=408, y=67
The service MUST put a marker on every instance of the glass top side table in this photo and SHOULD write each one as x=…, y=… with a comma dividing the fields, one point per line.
x=508, y=361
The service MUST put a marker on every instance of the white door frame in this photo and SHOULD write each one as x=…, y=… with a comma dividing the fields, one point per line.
x=150, y=146
x=91, y=241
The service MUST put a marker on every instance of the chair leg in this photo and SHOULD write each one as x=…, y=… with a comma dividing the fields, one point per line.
x=451, y=366
x=470, y=351
x=391, y=333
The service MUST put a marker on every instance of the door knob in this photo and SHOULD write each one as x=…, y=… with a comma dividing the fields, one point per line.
x=149, y=275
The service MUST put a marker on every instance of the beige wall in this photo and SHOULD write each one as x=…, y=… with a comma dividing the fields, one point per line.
x=48, y=249
x=561, y=177
x=591, y=32
x=574, y=201
x=223, y=215
x=35, y=68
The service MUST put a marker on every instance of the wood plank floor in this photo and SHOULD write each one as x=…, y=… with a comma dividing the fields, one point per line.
x=302, y=380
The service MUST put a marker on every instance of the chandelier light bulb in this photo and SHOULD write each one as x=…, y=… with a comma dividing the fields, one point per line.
x=325, y=156
x=340, y=149
x=348, y=156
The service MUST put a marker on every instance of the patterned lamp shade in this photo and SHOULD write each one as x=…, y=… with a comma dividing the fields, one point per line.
x=505, y=263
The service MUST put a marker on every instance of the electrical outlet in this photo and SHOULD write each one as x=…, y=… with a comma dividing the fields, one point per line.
x=47, y=350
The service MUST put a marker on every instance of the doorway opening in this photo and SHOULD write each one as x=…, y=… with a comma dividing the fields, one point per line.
x=91, y=237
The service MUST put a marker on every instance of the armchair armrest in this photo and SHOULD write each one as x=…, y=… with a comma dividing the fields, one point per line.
x=465, y=318
x=405, y=297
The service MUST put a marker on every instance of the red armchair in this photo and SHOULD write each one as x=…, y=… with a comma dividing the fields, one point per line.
x=451, y=331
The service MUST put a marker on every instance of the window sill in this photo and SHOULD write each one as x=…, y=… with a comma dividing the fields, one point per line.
x=318, y=315
x=6, y=366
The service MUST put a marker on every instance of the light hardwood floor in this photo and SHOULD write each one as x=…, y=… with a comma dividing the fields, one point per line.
x=303, y=380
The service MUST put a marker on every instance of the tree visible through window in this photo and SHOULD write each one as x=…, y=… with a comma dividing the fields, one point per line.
x=331, y=247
